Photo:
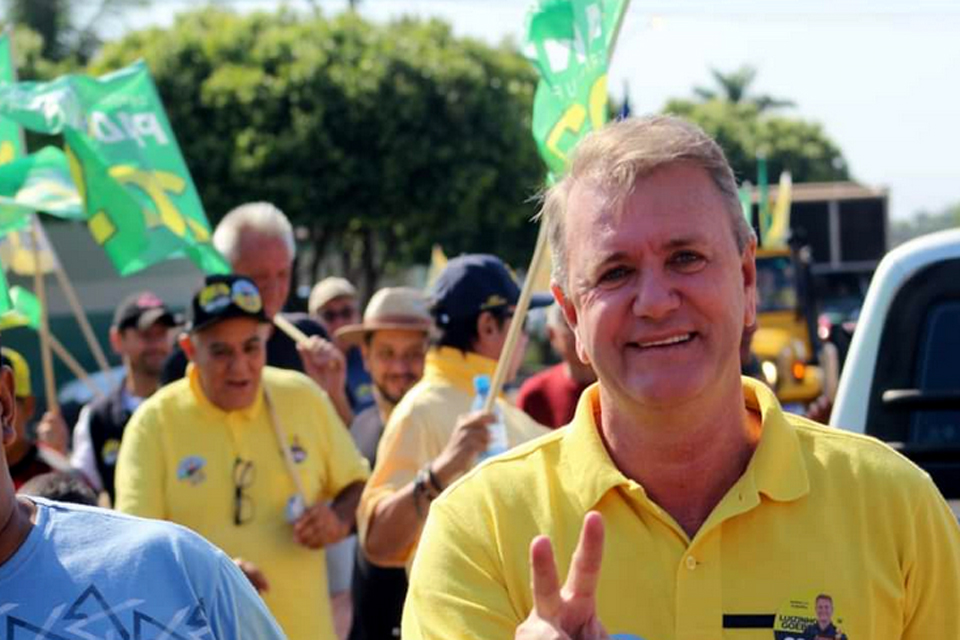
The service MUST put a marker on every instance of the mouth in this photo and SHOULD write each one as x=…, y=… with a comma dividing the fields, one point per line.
x=665, y=343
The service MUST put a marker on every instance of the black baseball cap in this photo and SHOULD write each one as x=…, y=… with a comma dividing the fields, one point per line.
x=223, y=297
x=141, y=311
x=473, y=283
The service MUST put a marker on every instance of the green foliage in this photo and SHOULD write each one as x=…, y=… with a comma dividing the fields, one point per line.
x=744, y=131
x=924, y=222
x=735, y=87
x=379, y=139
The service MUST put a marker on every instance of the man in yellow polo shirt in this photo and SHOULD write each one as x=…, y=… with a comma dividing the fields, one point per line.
x=248, y=456
x=681, y=503
x=432, y=438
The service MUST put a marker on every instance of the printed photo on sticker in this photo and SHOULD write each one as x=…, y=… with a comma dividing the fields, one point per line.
x=812, y=617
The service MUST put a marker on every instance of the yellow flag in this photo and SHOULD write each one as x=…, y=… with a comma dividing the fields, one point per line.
x=17, y=254
x=780, y=224
x=438, y=262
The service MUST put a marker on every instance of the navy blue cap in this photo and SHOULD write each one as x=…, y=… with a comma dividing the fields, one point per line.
x=223, y=297
x=473, y=283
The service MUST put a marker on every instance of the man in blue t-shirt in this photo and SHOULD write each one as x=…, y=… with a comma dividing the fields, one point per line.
x=78, y=572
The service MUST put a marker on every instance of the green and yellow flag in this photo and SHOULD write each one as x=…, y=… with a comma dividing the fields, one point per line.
x=11, y=138
x=570, y=42
x=139, y=200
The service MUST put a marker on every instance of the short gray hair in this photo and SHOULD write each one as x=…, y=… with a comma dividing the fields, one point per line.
x=615, y=157
x=260, y=217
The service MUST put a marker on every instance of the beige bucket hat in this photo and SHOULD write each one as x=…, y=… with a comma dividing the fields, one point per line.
x=400, y=308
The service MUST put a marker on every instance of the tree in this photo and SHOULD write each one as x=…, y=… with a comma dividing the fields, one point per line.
x=744, y=128
x=69, y=29
x=735, y=87
x=378, y=139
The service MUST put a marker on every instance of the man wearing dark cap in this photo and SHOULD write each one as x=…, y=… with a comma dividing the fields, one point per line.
x=248, y=456
x=72, y=572
x=141, y=336
x=432, y=438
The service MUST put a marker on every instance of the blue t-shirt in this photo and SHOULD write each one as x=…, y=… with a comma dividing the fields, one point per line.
x=85, y=573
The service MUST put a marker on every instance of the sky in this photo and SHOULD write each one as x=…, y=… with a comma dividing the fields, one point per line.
x=879, y=75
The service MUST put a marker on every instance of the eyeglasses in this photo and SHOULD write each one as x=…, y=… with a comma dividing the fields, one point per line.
x=243, y=476
x=332, y=315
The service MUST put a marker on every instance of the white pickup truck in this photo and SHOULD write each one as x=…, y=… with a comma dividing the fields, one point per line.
x=901, y=379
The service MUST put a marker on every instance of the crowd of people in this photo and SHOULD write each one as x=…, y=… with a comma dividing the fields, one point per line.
x=327, y=486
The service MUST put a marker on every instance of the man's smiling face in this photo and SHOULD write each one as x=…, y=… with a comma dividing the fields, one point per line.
x=660, y=293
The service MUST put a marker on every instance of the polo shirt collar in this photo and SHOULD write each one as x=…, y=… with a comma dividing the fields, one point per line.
x=777, y=468
x=456, y=368
x=250, y=413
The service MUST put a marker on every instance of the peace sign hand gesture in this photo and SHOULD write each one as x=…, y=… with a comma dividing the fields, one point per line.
x=570, y=612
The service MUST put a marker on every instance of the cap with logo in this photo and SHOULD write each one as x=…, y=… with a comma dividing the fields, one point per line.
x=399, y=308
x=141, y=311
x=474, y=283
x=223, y=297
x=329, y=289
x=21, y=371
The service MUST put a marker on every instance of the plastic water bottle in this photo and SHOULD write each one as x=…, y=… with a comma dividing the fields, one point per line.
x=498, y=431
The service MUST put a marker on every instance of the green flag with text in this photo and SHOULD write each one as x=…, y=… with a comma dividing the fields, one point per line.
x=570, y=42
x=139, y=199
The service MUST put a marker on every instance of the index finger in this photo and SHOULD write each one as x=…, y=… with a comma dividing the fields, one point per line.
x=546, y=584
x=585, y=568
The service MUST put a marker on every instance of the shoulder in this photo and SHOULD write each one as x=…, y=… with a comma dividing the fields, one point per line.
x=858, y=461
x=539, y=380
x=520, y=475
x=292, y=384
x=421, y=401
x=128, y=537
x=176, y=394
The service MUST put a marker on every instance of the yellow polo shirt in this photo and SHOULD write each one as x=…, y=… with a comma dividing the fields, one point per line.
x=177, y=463
x=817, y=512
x=422, y=423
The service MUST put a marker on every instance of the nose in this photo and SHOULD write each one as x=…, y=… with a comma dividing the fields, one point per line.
x=655, y=296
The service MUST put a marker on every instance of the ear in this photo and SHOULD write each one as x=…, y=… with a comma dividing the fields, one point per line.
x=116, y=341
x=8, y=407
x=186, y=343
x=486, y=325
x=748, y=269
x=570, y=314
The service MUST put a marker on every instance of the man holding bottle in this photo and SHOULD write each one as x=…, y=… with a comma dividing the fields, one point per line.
x=432, y=437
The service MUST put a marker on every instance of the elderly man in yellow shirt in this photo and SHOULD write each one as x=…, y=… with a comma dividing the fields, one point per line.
x=248, y=456
x=432, y=437
x=706, y=511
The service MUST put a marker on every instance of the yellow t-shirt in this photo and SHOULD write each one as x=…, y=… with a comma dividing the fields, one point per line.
x=421, y=425
x=177, y=462
x=818, y=512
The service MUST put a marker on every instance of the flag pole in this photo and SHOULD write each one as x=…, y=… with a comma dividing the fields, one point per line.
x=290, y=329
x=75, y=368
x=81, y=316
x=519, y=315
x=46, y=356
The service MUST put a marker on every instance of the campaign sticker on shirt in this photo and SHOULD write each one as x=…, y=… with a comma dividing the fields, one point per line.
x=813, y=616
x=109, y=452
x=625, y=636
x=297, y=452
x=191, y=470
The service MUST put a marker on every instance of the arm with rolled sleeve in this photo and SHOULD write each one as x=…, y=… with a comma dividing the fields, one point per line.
x=344, y=464
x=141, y=473
x=932, y=569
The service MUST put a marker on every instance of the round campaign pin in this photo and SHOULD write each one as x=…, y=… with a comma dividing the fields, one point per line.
x=295, y=508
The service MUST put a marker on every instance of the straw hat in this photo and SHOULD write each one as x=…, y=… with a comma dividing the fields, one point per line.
x=400, y=308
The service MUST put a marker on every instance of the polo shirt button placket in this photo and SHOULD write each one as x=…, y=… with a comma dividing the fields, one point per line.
x=691, y=563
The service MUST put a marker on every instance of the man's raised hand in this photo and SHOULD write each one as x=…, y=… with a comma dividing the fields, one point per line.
x=568, y=612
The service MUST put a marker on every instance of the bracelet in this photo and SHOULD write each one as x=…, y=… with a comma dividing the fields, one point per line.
x=419, y=488
x=434, y=480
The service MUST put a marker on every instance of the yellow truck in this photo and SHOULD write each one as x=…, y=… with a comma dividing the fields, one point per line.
x=785, y=342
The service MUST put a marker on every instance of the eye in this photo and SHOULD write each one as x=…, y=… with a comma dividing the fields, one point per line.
x=687, y=260
x=614, y=274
